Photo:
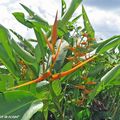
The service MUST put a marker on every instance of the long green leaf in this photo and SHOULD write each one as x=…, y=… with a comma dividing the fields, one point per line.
x=6, y=81
x=41, y=41
x=35, y=16
x=8, y=62
x=76, y=18
x=63, y=7
x=108, y=44
x=87, y=24
x=24, y=41
x=73, y=6
x=5, y=41
x=35, y=107
x=28, y=22
x=38, y=54
x=24, y=55
x=15, y=103
x=106, y=80
x=21, y=18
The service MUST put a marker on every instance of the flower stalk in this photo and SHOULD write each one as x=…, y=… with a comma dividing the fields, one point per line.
x=54, y=76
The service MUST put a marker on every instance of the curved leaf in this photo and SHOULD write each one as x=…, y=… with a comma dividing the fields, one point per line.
x=63, y=7
x=27, y=44
x=87, y=24
x=105, y=42
x=32, y=21
x=73, y=6
x=108, y=44
x=106, y=80
x=8, y=62
x=24, y=55
x=62, y=55
x=36, y=106
x=41, y=41
x=15, y=103
x=5, y=41
x=35, y=16
x=21, y=18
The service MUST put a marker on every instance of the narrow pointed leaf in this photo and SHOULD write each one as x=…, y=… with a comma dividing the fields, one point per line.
x=34, y=15
x=8, y=62
x=21, y=18
x=24, y=55
x=76, y=18
x=108, y=44
x=24, y=41
x=63, y=7
x=41, y=41
x=73, y=6
x=49, y=44
x=28, y=22
x=87, y=24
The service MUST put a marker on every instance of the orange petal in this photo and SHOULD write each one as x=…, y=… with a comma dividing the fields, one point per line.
x=79, y=54
x=49, y=44
x=91, y=39
x=90, y=83
x=82, y=87
x=86, y=91
x=85, y=35
x=83, y=43
x=70, y=58
x=71, y=48
x=54, y=57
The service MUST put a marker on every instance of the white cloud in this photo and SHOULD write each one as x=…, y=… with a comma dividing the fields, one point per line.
x=46, y=9
x=106, y=23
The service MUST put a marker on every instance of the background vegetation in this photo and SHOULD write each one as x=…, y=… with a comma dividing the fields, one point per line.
x=62, y=74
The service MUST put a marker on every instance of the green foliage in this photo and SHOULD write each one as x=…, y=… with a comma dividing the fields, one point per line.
x=5, y=42
x=15, y=102
x=41, y=42
x=73, y=6
x=108, y=44
x=111, y=78
x=25, y=43
x=63, y=7
x=88, y=27
x=58, y=79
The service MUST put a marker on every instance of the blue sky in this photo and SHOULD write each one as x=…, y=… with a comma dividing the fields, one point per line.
x=103, y=14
